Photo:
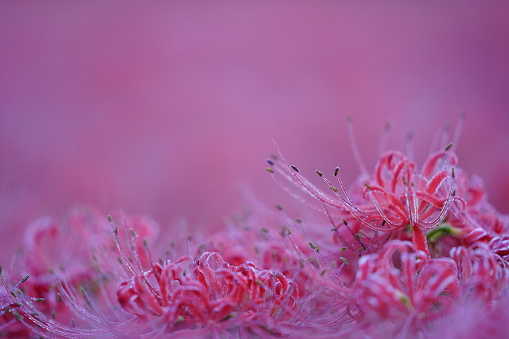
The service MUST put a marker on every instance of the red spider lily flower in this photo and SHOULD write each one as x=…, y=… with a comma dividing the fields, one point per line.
x=394, y=197
x=401, y=287
x=65, y=252
x=271, y=245
x=184, y=297
x=479, y=222
x=10, y=313
x=52, y=247
x=20, y=318
x=210, y=293
x=399, y=284
x=482, y=274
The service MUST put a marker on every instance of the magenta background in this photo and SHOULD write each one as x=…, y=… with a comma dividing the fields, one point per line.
x=167, y=109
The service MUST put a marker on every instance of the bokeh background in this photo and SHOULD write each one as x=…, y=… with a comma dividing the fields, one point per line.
x=170, y=109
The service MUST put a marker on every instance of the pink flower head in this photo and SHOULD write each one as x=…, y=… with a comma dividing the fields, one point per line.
x=414, y=293
x=20, y=317
x=397, y=195
x=209, y=293
x=63, y=255
x=482, y=274
x=400, y=284
x=264, y=237
x=10, y=309
x=53, y=248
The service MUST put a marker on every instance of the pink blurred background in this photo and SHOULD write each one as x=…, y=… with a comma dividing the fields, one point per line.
x=169, y=109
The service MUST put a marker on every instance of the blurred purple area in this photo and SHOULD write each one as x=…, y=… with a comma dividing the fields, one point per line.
x=167, y=109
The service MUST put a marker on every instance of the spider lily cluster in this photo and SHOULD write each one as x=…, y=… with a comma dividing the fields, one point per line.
x=406, y=251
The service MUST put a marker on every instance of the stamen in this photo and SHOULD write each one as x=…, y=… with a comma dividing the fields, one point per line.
x=410, y=145
x=385, y=136
x=355, y=149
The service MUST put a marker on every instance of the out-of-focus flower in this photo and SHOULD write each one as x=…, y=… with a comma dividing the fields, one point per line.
x=71, y=251
x=10, y=315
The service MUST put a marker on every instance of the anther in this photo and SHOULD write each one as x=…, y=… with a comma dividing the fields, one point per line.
x=388, y=126
x=17, y=315
x=25, y=278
